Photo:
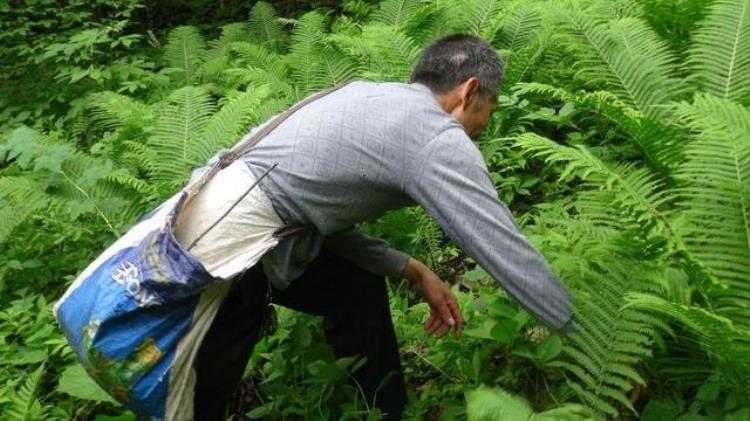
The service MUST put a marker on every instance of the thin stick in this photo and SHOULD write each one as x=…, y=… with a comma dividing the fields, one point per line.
x=236, y=202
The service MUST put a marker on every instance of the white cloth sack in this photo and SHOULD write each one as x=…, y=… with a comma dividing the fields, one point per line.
x=243, y=236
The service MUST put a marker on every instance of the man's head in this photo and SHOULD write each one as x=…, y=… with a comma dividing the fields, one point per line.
x=464, y=73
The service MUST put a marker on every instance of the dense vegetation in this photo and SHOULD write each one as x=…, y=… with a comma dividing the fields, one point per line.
x=622, y=144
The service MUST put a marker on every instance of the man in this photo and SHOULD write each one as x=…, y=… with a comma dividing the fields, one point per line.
x=351, y=156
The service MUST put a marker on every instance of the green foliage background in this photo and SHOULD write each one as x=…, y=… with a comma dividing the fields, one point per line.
x=622, y=143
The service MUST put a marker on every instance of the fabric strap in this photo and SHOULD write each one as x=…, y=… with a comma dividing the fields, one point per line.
x=226, y=158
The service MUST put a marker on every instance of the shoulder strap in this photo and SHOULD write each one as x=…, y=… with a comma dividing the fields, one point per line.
x=243, y=147
x=226, y=158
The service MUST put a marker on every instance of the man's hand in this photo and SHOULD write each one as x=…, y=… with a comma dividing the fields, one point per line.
x=444, y=309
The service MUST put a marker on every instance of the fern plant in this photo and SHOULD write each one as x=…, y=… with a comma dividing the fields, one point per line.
x=694, y=182
x=602, y=264
x=720, y=55
x=715, y=190
x=24, y=403
x=184, y=52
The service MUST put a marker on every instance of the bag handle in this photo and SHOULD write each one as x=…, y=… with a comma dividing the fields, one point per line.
x=228, y=157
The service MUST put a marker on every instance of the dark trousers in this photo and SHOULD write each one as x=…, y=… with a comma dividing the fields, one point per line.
x=353, y=302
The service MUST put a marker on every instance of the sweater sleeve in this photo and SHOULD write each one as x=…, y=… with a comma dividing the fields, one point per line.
x=367, y=252
x=449, y=178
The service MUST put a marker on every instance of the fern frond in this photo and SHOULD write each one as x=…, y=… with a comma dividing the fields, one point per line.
x=388, y=54
x=636, y=189
x=254, y=66
x=718, y=339
x=430, y=21
x=609, y=340
x=427, y=237
x=24, y=405
x=254, y=55
x=177, y=141
x=601, y=266
x=659, y=143
x=721, y=50
x=216, y=55
x=714, y=185
x=258, y=78
x=519, y=63
x=225, y=127
x=627, y=8
x=184, y=52
x=265, y=26
x=396, y=12
x=521, y=22
x=482, y=18
x=316, y=64
x=125, y=179
x=231, y=33
x=20, y=196
x=113, y=110
x=625, y=55
x=334, y=68
x=304, y=57
x=270, y=108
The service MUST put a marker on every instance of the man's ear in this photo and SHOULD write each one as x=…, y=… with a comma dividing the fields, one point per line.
x=470, y=92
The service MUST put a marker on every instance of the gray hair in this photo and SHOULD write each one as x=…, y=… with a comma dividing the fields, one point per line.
x=453, y=59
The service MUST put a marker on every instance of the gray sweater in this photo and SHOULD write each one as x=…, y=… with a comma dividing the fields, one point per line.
x=372, y=147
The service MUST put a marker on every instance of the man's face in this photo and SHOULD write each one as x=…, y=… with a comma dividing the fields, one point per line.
x=464, y=103
x=477, y=116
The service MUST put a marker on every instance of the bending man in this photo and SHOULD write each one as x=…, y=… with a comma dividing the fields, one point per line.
x=348, y=157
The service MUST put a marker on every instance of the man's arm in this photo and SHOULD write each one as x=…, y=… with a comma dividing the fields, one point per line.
x=369, y=253
x=374, y=255
x=451, y=181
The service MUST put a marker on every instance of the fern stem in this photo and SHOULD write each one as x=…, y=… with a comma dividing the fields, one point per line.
x=86, y=195
x=431, y=364
x=734, y=49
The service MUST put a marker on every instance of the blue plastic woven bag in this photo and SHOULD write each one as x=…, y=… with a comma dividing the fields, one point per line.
x=134, y=315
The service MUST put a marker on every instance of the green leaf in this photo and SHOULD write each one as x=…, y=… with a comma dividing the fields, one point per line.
x=709, y=392
x=25, y=355
x=476, y=274
x=549, y=348
x=22, y=145
x=260, y=411
x=77, y=383
x=504, y=310
x=483, y=331
x=567, y=110
x=505, y=331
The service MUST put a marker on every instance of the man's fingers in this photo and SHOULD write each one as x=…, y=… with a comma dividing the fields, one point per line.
x=429, y=321
x=432, y=324
x=456, y=311
x=445, y=314
x=443, y=330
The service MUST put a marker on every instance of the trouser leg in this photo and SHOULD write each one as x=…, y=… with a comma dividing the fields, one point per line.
x=227, y=346
x=357, y=322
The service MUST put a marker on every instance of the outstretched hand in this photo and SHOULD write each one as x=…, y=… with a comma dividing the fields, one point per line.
x=444, y=310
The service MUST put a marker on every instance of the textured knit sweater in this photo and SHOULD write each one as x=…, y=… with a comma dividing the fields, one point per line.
x=372, y=147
